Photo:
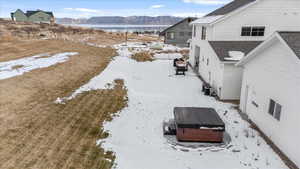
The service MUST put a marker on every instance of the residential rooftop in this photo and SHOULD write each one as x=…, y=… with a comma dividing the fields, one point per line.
x=230, y=7
x=29, y=13
x=222, y=48
x=293, y=41
x=190, y=19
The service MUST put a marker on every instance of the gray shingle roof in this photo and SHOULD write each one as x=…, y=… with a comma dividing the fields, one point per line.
x=29, y=13
x=222, y=48
x=230, y=7
x=191, y=19
x=293, y=41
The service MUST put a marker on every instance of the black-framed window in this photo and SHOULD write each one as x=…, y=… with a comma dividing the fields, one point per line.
x=190, y=33
x=181, y=33
x=277, y=112
x=271, y=107
x=246, y=31
x=203, y=35
x=194, y=31
x=275, y=109
x=258, y=31
x=253, y=31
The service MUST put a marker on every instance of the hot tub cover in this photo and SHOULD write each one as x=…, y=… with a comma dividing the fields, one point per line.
x=192, y=117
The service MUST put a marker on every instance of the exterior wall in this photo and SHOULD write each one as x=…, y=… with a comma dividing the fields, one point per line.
x=202, y=135
x=212, y=72
x=232, y=82
x=19, y=16
x=40, y=17
x=179, y=40
x=274, y=74
x=273, y=14
x=264, y=13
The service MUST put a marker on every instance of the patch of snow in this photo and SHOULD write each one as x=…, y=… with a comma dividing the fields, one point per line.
x=136, y=135
x=169, y=56
x=235, y=55
x=96, y=45
x=9, y=69
x=59, y=101
x=157, y=46
x=207, y=19
x=171, y=48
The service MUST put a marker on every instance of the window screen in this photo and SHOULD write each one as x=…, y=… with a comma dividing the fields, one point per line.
x=278, y=112
x=253, y=31
x=246, y=31
x=271, y=107
x=258, y=31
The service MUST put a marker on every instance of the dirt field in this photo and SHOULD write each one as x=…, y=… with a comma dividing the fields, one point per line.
x=37, y=133
x=10, y=30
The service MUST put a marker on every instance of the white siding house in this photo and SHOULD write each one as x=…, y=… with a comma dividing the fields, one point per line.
x=238, y=26
x=271, y=90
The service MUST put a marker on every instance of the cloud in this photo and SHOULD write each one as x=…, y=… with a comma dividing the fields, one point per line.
x=207, y=2
x=157, y=6
x=79, y=12
x=188, y=14
x=83, y=10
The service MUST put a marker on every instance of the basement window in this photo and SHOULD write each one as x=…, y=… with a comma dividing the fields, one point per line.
x=275, y=109
x=253, y=31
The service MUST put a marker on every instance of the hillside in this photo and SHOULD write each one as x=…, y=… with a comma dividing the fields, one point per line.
x=10, y=30
x=132, y=20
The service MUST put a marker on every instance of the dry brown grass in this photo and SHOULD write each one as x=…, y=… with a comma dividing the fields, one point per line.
x=16, y=49
x=31, y=31
x=4, y=37
x=166, y=51
x=37, y=133
x=143, y=57
x=185, y=53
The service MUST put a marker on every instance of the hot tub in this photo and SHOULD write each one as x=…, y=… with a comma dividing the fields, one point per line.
x=198, y=125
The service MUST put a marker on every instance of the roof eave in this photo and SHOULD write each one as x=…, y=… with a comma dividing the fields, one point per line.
x=260, y=47
x=228, y=62
x=165, y=30
x=234, y=12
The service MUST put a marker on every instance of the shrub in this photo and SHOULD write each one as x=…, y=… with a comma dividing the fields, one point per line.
x=143, y=57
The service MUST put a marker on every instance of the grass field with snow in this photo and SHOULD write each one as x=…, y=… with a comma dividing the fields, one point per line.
x=153, y=91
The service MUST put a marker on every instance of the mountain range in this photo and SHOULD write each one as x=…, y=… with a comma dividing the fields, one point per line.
x=119, y=20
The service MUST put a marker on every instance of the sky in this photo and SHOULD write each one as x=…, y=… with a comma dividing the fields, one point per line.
x=90, y=8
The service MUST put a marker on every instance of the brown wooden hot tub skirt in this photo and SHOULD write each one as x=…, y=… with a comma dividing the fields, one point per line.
x=199, y=135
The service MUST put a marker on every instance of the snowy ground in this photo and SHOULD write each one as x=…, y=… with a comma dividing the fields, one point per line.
x=153, y=91
x=19, y=66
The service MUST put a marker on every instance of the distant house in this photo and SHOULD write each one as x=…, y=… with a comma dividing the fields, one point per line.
x=37, y=16
x=180, y=33
x=222, y=37
x=271, y=90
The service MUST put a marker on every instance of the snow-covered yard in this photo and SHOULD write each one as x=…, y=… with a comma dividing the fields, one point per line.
x=153, y=91
x=19, y=66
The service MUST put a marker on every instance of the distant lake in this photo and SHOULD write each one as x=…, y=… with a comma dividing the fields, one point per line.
x=125, y=28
